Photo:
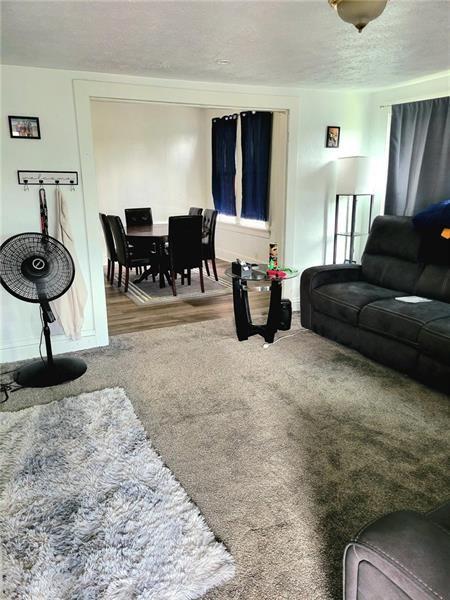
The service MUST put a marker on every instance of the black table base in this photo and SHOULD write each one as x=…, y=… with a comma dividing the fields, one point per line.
x=160, y=270
x=244, y=326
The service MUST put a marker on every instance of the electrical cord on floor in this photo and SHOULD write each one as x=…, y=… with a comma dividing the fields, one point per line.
x=7, y=372
x=7, y=388
x=283, y=337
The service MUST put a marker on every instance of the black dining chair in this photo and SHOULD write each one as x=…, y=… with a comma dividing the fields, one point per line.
x=195, y=211
x=110, y=248
x=209, y=240
x=134, y=217
x=127, y=255
x=185, y=248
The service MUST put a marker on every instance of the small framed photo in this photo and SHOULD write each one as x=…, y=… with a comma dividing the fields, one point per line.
x=333, y=135
x=24, y=128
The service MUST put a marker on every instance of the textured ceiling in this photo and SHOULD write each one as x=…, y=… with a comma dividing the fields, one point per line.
x=266, y=42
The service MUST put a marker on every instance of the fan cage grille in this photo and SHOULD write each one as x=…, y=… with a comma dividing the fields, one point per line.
x=23, y=246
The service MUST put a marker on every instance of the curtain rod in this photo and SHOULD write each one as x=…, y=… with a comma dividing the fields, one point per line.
x=412, y=101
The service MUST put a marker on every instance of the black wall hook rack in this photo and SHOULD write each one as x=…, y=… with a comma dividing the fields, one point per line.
x=27, y=178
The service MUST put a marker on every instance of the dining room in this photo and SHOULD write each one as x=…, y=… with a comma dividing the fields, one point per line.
x=167, y=244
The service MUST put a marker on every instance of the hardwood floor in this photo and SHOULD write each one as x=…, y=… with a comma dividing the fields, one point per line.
x=124, y=316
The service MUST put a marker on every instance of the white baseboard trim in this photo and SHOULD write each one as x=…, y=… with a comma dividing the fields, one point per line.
x=29, y=348
x=231, y=256
x=259, y=232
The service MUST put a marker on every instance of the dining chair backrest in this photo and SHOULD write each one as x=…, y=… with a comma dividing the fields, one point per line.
x=120, y=239
x=209, y=231
x=195, y=211
x=135, y=217
x=185, y=242
x=109, y=240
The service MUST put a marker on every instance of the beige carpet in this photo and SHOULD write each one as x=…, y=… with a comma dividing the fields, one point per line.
x=286, y=451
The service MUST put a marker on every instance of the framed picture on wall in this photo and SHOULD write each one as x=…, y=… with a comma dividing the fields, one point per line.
x=24, y=128
x=333, y=135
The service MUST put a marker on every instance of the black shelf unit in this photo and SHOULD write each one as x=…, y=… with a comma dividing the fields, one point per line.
x=352, y=234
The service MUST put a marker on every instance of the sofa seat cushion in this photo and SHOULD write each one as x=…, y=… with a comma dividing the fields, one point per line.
x=434, y=340
x=401, y=320
x=344, y=301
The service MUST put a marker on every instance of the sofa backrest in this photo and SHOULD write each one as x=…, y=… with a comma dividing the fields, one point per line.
x=393, y=259
x=434, y=282
x=391, y=256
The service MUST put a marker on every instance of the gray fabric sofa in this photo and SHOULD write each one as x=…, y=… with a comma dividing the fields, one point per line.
x=355, y=304
x=401, y=556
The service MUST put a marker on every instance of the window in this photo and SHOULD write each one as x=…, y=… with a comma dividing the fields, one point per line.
x=241, y=195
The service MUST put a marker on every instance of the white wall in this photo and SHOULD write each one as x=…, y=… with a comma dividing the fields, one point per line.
x=62, y=101
x=235, y=240
x=159, y=155
x=48, y=95
x=364, y=131
x=315, y=194
x=317, y=176
x=148, y=155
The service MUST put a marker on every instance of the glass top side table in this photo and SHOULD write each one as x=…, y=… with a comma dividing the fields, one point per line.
x=242, y=316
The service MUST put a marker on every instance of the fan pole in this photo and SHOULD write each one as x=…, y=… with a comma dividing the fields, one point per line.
x=52, y=371
x=47, y=317
x=48, y=344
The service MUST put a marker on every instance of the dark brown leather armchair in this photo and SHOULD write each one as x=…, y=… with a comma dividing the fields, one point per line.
x=402, y=556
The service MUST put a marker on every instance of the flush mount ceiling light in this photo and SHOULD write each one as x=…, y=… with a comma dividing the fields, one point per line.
x=358, y=12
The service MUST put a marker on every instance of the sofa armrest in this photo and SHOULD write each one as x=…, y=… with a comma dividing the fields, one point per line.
x=401, y=555
x=316, y=276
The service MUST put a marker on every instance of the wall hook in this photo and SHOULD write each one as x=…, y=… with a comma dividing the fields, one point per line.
x=41, y=178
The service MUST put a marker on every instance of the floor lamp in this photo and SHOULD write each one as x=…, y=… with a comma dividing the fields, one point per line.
x=353, y=182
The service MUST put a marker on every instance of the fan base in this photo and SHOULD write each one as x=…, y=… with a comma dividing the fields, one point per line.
x=40, y=374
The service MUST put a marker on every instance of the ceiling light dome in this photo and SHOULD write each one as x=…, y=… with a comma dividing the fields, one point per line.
x=358, y=12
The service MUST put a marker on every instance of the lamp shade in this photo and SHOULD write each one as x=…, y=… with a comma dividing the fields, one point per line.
x=353, y=176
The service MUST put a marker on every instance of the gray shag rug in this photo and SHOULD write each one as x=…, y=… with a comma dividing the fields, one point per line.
x=88, y=510
x=287, y=451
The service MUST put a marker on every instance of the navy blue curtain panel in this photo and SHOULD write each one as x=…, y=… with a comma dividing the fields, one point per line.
x=224, y=164
x=419, y=156
x=256, y=141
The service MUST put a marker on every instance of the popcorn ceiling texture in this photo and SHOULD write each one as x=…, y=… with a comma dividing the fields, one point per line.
x=266, y=42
